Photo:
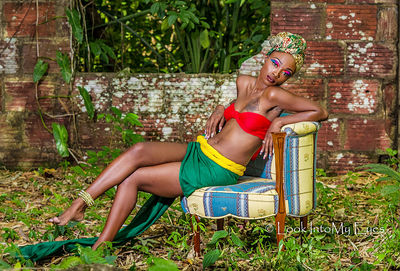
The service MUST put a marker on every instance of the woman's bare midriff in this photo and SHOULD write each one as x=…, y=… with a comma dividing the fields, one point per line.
x=234, y=143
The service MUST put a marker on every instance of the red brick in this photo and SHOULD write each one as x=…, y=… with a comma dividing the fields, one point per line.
x=94, y=135
x=342, y=162
x=1, y=94
x=21, y=19
x=353, y=96
x=373, y=1
x=37, y=135
x=47, y=49
x=324, y=58
x=320, y=1
x=160, y=129
x=351, y=22
x=63, y=100
x=14, y=143
x=371, y=59
x=389, y=97
x=389, y=107
x=301, y=19
x=9, y=56
x=312, y=88
x=387, y=24
x=367, y=135
x=11, y=130
x=329, y=135
x=21, y=95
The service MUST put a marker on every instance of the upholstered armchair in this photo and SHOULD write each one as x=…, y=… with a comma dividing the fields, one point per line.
x=282, y=185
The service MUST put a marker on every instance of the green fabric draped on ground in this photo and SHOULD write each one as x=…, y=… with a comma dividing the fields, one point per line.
x=154, y=207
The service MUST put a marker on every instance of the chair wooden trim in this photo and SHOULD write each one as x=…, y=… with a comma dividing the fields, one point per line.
x=279, y=141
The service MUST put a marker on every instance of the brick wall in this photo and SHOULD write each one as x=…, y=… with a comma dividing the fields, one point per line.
x=23, y=140
x=352, y=56
x=351, y=66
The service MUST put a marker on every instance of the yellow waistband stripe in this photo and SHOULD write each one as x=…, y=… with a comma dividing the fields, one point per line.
x=218, y=158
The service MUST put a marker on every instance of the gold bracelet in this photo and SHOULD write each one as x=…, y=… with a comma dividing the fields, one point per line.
x=86, y=197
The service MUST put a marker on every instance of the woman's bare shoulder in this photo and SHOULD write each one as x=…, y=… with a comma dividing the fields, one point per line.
x=242, y=83
x=244, y=80
x=272, y=91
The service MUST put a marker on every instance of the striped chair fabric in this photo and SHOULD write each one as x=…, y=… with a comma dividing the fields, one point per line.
x=255, y=197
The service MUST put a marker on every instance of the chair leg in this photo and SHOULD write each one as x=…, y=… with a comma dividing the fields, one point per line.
x=220, y=224
x=278, y=141
x=303, y=226
x=196, y=235
x=280, y=227
x=303, y=222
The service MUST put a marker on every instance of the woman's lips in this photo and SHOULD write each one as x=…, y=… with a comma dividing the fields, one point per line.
x=271, y=80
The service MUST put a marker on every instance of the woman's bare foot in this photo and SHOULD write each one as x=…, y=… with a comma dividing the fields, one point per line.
x=74, y=213
x=97, y=244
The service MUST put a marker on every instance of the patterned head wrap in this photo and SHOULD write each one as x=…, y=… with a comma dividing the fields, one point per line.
x=282, y=42
x=287, y=43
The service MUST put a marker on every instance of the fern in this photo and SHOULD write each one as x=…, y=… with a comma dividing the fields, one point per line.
x=89, y=256
x=383, y=169
x=69, y=262
x=390, y=191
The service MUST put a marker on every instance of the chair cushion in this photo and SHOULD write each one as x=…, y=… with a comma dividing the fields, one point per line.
x=251, y=198
x=256, y=197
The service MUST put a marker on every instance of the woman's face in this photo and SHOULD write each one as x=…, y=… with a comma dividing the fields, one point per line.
x=278, y=68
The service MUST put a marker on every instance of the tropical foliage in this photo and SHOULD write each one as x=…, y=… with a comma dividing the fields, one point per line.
x=169, y=36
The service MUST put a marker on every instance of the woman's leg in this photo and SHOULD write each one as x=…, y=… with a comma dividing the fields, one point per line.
x=140, y=155
x=161, y=180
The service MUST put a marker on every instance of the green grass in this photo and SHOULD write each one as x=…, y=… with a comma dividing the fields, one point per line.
x=353, y=228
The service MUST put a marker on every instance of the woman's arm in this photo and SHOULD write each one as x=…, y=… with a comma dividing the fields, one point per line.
x=303, y=109
x=216, y=120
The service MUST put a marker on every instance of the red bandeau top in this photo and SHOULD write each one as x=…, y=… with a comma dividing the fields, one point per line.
x=252, y=123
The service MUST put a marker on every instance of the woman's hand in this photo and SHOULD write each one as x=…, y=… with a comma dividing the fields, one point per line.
x=215, y=121
x=267, y=144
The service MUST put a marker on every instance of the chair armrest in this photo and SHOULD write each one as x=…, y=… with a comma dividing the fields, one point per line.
x=301, y=128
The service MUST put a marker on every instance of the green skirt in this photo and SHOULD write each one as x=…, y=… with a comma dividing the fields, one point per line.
x=197, y=171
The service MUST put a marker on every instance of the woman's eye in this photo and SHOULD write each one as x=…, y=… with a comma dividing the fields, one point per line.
x=275, y=63
x=287, y=73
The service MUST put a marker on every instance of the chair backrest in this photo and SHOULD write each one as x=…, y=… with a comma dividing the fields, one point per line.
x=299, y=167
x=299, y=154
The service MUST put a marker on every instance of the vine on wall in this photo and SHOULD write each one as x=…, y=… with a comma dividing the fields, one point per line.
x=122, y=123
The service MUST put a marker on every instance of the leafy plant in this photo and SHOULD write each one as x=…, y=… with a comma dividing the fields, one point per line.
x=88, y=256
x=39, y=70
x=74, y=19
x=61, y=137
x=221, y=241
x=65, y=66
x=211, y=257
x=123, y=123
x=174, y=35
x=390, y=191
x=9, y=234
x=101, y=51
x=159, y=264
x=87, y=100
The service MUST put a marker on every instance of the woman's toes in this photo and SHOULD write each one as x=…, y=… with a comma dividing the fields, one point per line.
x=55, y=220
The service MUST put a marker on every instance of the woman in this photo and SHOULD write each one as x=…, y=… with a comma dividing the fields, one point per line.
x=170, y=170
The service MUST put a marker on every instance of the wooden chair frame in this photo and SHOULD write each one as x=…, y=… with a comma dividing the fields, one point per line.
x=278, y=143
